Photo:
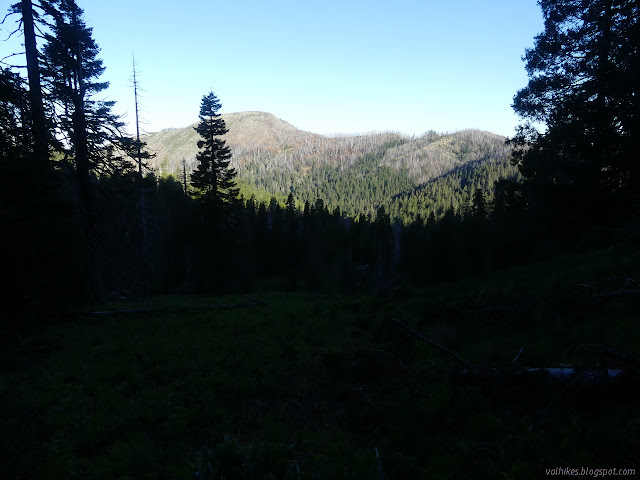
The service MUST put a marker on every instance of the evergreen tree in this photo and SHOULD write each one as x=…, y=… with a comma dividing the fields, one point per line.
x=213, y=179
x=479, y=208
x=584, y=88
x=291, y=226
x=34, y=18
x=14, y=117
x=46, y=276
x=71, y=72
x=214, y=186
x=290, y=205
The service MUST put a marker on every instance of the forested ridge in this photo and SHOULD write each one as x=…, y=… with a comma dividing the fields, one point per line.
x=144, y=214
x=242, y=299
x=408, y=176
x=125, y=196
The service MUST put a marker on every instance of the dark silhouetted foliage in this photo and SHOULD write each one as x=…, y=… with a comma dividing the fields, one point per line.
x=583, y=90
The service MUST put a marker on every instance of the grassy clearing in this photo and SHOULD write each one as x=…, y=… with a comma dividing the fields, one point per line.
x=313, y=386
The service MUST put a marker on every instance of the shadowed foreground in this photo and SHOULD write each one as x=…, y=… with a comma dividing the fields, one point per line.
x=300, y=385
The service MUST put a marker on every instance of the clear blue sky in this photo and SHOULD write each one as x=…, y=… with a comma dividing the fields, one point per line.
x=346, y=66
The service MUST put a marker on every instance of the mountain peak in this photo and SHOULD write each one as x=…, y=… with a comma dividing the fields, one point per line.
x=261, y=136
x=260, y=129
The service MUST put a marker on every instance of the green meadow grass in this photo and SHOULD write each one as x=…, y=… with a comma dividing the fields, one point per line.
x=324, y=387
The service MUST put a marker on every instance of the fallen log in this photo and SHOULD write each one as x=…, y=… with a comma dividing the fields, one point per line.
x=617, y=293
x=622, y=290
x=568, y=376
x=596, y=375
x=258, y=301
x=581, y=376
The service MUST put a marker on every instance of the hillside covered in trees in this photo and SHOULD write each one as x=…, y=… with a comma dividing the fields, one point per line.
x=126, y=213
x=242, y=299
x=358, y=174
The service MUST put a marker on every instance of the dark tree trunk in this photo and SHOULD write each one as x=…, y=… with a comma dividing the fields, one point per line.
x=83, y=167
x=41, y=144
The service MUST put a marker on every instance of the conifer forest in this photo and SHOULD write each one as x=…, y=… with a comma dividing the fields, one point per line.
x=454, y=305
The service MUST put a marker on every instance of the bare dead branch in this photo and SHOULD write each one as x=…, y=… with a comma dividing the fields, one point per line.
x=434, y=344
x=7, y=16
x=518, y=355
x=379, y=464
x=10, y=65
x=14, y=32
x=11, y=55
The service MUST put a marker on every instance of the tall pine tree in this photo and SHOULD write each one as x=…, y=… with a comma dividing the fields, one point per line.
x=90, y=131
x=214, y=186
x=71, y=72
x=213, y=179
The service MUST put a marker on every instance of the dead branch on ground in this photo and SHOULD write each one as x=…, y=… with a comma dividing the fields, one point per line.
x=568, y=375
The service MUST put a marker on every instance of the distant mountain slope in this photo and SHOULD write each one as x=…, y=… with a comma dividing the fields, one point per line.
x=260, y=129
x=260, y=136
x=432, y=155
x=357, y=173
x=247, y=131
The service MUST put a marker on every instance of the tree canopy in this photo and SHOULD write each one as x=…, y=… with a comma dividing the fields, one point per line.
x=581, y=104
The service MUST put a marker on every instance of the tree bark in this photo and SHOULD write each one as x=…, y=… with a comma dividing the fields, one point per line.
x=41, y=144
